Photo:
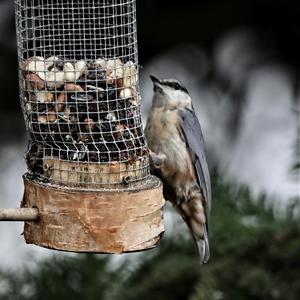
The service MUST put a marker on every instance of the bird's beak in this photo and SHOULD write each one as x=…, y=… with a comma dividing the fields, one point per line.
x=157, y=87
x=155, y=80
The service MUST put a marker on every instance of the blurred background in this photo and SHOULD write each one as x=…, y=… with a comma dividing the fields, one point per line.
x=240, y=61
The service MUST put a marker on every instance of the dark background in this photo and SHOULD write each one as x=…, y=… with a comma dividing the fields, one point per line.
x=163, y=24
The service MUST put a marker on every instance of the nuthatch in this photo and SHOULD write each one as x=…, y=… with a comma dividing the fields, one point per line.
x=177, y=156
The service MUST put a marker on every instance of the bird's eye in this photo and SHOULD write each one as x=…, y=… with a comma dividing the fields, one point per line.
x=177, y=86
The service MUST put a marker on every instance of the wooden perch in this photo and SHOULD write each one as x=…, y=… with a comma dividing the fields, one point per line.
x=19, y=214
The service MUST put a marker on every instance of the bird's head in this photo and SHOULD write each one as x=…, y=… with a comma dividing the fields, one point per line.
x=170, y=92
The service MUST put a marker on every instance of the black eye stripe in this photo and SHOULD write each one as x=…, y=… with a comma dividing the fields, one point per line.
x=176, y=86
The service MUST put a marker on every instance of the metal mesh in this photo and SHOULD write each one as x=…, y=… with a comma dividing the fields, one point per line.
x=78, y=72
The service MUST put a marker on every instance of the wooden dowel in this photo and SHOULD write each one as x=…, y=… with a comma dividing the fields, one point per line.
x=19, y=214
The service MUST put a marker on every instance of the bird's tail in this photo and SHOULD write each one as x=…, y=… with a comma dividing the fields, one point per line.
x=203, y=247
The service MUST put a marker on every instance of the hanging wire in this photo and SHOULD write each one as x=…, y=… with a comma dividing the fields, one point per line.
x=79, y=91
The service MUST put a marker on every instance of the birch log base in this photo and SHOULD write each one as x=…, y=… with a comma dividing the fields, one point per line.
x=80, y=220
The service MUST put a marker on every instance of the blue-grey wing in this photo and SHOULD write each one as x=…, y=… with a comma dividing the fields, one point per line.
x=192, y=133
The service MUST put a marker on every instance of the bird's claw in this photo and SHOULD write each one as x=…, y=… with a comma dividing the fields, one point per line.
x=157, y=160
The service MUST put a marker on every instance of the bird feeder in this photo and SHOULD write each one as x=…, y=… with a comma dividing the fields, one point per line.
x=88, y=187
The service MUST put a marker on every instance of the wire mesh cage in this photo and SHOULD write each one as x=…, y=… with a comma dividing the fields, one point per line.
x=79, y=91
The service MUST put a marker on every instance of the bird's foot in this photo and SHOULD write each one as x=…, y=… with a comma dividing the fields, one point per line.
x=157, y=160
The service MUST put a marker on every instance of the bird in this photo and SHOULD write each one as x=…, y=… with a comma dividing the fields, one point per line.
x=177, y=157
